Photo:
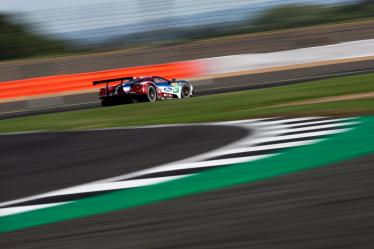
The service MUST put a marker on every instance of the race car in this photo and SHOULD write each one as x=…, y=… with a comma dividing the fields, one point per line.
x=142, y=89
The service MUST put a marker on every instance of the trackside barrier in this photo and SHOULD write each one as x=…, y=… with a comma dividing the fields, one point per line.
x=188, y=69
x=83, y=81
x=242, y=62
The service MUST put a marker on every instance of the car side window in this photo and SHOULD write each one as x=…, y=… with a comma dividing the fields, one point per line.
x=160, y=80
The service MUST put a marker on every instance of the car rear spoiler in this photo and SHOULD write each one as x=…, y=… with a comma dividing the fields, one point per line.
x=96, y=82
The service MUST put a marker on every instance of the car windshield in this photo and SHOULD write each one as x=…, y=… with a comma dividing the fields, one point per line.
x=160, y=80
x=133, y=81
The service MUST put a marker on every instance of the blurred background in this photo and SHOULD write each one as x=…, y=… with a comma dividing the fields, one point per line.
x=44, y=28
x=44, y=38
x=52, y=51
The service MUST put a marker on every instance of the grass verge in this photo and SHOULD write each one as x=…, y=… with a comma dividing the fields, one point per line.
x=220, y=107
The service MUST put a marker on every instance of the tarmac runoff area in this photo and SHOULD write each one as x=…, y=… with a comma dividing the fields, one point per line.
x=329, y=206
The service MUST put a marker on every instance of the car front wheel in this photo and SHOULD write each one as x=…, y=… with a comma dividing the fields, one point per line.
x=185, y=91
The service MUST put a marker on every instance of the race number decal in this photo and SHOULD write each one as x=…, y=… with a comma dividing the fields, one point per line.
x=176, y=89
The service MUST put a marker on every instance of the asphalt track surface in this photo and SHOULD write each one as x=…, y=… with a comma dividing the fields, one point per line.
x=219, y=85
x=330, y=207
x=36, y=163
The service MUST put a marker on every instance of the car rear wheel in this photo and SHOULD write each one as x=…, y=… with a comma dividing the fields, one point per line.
x=151, y=95
x=185, y=91
x=105, y=102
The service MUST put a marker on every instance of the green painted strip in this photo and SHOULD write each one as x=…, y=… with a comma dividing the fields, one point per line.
x=357, y=142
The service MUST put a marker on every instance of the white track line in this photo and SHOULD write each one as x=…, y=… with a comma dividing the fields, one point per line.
x=321, y=126
x=249, y=121
x=92, y=187
x=267, y=147
x=274, y=122
x=316, y=122
x=15, y=210
x=302, y=135
x=95, y=187
x=202, y=164
x=111, y=186
x=266, y=131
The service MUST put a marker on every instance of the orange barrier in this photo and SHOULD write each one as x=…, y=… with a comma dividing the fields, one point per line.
x=83, y=81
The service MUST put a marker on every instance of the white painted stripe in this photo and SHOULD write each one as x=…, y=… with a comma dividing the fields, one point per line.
x=245, y=121
x=266, y=147
x=302, y=135
x=314, y=122
x=321, y=126
x=281, y=121
x=92, y=187
x=140, y=182
x=267, y=130
x=111, y=186
x=16, y=210
x=278, y=130
x=202, y=164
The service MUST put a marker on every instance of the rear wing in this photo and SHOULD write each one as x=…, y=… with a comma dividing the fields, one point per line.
x=96, y=82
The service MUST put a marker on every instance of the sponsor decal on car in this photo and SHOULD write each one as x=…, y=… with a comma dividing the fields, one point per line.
x=168, y=89
x=176, y=89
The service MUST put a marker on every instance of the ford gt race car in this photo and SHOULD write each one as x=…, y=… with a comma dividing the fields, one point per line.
x=142, y=89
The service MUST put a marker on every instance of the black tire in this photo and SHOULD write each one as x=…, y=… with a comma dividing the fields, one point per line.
x=151, y=95
x=127, y=100
x=106, y=102
x=185, y=93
